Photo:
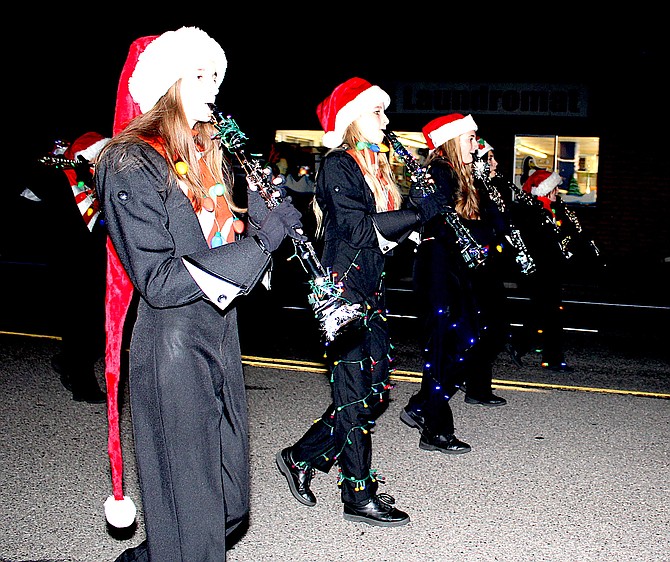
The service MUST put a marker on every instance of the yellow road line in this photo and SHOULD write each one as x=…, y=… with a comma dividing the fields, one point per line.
x=30, y=335
x=409, y=376
x=413, y=376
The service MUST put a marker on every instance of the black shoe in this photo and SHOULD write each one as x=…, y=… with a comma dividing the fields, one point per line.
x=379, y=511
x=90, y=393
x=449, y=444
x=561, y=367
x=514, y=355
x=491, y=400
x=57, y=365
x=138, y=553
x=412, y=418
x=298, y=478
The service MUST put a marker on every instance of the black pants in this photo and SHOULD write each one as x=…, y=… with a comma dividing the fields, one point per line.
x=464, y=327
x=543, y=324
x=360, y=393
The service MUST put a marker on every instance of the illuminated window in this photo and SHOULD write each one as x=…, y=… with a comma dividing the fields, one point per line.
x=575, y=159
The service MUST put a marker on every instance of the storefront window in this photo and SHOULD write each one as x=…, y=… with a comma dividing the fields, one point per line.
x=575, y=159
x=412, y=140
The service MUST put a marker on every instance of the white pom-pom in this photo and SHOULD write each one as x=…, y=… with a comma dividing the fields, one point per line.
x=331, y=139
x=120, y=513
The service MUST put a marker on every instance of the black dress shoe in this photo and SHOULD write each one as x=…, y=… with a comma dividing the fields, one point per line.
x=449, y=444
x=491, y=400
x=89, y=392
x=57, y=365
x=138, y=553
x=412, y=418
x=378, y=511
x=298, y=478
x=561, y=367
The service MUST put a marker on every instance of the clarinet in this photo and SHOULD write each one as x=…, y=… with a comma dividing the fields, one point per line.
x=481, y=171
x=472, y=253
x=62, y=162
x=531, y=201
x=333, y=312
x=572, y=217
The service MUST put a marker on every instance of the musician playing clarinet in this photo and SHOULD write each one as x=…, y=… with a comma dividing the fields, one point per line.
x=461, y=308
x=166, y=191
x=549, y=233
x=520, y=208
x=360, y=217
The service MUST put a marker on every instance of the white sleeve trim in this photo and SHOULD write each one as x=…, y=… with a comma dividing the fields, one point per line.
x=220, y=292
x=384, y=245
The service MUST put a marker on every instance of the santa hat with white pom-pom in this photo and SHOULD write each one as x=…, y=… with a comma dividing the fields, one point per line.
x=447, y=127
x=120, y=510
x=154, y=63
x=542, y=182
x=344, y=105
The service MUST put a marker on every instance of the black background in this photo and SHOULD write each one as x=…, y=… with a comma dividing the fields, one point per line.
x=63, y=68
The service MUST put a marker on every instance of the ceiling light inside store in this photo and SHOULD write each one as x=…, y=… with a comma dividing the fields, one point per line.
x=531, y=151
x=413, y=139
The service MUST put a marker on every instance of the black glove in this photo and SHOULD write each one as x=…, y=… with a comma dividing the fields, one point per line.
x=257, y=209
x=428, y=205
x=296, y=232
x=280, y=221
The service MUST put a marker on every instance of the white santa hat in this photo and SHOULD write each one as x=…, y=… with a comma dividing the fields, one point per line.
x=169, y=57
x=344, y=105
x=482, y=147
x=542, y=182
x=447, y=127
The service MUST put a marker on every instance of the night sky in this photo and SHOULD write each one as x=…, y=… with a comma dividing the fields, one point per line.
x=283, y=62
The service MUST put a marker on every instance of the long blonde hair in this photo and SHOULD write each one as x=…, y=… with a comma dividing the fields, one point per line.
x=466, y=197
x=165, y=125
x=377, y=172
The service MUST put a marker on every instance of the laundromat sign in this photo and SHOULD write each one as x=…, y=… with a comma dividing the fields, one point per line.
x=557, y=100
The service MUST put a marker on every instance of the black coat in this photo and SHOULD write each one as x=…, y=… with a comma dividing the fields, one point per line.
x=187, y=392
x=351, y=247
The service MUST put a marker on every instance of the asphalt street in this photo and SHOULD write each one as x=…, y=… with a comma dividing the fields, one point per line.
x=574, y=467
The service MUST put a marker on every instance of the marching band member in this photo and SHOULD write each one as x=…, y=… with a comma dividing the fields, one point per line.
x=359, y=215
x=78, y=259
x=515, y=202
x=461, y=308
x=548, y=227
x=166, y=191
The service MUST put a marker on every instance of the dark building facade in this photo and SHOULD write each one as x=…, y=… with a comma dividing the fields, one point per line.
x=630, y=220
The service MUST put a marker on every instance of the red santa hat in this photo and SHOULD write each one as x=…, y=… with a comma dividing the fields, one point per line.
x=345, y=104
x=170, y=57
x=542, y=182
x=126, y=107
x=447, y=127
x=88, y=146
x=482, y=147
x=120, y=510
x=154, y=63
